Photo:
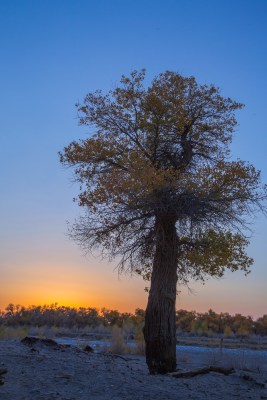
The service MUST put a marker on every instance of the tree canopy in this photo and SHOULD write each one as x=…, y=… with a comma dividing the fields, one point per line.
x=163, y=149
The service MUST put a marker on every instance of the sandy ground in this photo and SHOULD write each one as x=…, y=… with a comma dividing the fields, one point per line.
x=41, y=372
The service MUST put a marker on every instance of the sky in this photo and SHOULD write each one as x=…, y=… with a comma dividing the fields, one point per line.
x=52, y=53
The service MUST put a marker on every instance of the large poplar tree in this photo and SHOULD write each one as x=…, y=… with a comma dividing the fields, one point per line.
x=160, y=192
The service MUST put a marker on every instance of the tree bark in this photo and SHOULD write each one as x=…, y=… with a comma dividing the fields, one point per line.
x=159, y=330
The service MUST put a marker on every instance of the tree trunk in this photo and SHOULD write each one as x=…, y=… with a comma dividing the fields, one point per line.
x=159, y=330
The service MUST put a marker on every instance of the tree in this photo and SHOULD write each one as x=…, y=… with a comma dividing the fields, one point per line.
x=159, y=190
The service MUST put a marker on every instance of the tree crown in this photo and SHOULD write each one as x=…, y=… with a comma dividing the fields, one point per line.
x=162, y=151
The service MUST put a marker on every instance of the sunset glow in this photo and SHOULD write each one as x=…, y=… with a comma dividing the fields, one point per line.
x=52, y=54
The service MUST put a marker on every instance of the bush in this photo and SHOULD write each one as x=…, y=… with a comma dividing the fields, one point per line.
x=8, y=332
x=228, y=331
x=140, y=343
x=117, y=343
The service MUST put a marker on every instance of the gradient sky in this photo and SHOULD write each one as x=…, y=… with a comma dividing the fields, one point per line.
x=51, y=54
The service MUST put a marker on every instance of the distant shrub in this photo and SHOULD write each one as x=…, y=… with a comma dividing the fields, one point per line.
x=243, y=331
x=227, y=331
x=8, y=332
x=117, y=342
x=140, y=343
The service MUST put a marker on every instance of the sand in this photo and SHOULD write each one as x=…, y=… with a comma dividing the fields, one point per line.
x=41, y=372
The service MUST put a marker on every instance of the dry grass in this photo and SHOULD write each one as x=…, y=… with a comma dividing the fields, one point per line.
x=9, y=332
x=140, y=343
x=118, y=345
x=117, y=342
x=240, y=361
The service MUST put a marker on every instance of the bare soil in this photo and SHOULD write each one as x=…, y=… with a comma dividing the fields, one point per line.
x=41, y=371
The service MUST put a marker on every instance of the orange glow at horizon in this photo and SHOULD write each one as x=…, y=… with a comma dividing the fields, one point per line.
x=96, y=284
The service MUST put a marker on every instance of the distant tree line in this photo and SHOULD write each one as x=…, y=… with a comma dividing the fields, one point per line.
x=210, y=323
x=67, y=317
x=188, y=322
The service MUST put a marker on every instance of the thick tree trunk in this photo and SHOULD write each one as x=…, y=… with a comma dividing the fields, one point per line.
x=159, y=330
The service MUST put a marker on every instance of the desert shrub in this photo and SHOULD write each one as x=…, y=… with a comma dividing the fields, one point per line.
x=210, y=333
x=227, y=331
x=242, y=331
x=117, y=342
x=140, y=344
x=199, y=328
x=10, y=332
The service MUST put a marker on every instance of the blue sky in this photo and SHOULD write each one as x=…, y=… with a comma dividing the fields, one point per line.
x=52, y=54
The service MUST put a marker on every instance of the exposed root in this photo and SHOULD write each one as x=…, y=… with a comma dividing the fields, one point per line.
x=202, y=371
